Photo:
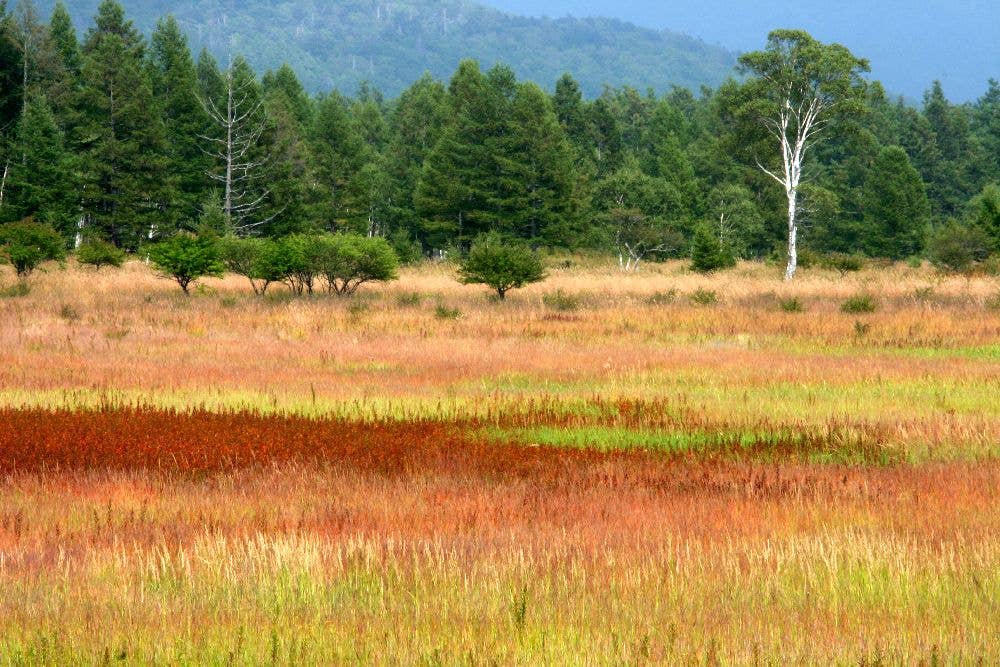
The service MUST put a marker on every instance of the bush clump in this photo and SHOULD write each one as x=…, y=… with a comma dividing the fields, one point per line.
x=958, y=248
x=27, y=244
x=99, y=253
x=704, y=297
x=185, y=258
x=791, y=305
x=859, y=304
x=562, y=301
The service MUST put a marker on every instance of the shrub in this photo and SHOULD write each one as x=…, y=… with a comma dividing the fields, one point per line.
x=185, y=258
x=407, y=250
x=503, y=264
x=14, y=291
x=99, y=253
x=443, y=312
x=561, y=301
x=708, y=254
x=262, y=261
x=662, y=298
x=26, y=244
x=409, y=299
x=859, y=304
x=957, y=248
x=69, y=313
x=704, y=297
x=843, y=263
x=791, y=305
x=348, y=261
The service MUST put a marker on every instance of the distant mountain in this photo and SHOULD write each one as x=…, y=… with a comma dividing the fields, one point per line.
x=909, y=43
x=391, y=43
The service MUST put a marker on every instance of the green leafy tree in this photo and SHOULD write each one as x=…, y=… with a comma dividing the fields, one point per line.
x=798, y=84
x=896, y=209
x=99, y=253
x=26, y=244
x=957, y=248
x=501, y=263
x=348, y=261
x=185, y=258
x=708, y=254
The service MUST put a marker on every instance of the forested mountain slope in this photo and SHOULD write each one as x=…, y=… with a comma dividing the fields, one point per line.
x=339, y=44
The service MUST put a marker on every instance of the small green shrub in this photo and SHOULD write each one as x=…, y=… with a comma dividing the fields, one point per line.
x=99, y=253
x=662, y=298
x=791, y=305
x=228, y=301
x=443, y=312
x=409, y=299
x=561, y=301
x=859, y=305
x=843, y=263
x=27, y=244
x=704, y=297
x=18, y=289
x=861, y=329
x=502, y=264
x=708, y=254
x=69, y=313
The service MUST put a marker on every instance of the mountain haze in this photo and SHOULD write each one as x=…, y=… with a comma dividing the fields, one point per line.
x=392, y=43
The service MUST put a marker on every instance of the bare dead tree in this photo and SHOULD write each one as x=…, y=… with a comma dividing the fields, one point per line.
x=242, y=121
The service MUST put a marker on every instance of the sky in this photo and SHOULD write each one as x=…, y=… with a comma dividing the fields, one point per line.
x=910, y=44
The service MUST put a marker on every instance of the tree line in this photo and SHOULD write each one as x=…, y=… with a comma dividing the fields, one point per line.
x=127, y=141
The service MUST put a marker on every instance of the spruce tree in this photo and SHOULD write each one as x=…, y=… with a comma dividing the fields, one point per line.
x=337, y=153
x=896, y=210
x=128, y=191
x=175, y=82
x=43, y=184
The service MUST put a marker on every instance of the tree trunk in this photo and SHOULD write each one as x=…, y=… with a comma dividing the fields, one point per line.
x=3, y=181
x=793, y=235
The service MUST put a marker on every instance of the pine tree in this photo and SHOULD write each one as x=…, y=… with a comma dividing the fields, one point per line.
x=337, y=154
x=64, y=93
x=708, y=254
x=896, y=210
x=536, y=163
x=175, y=82
x=43, y=183
x=127, y=193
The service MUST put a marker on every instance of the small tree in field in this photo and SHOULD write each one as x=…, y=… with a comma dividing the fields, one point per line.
x=708, y=254
x=348, y=261
x=185, y=258
x=958, y=248
x=27, y=244
x=503, y=264
x=99, y=253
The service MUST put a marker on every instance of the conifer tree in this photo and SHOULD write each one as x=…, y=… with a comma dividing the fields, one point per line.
x=896, y=210
x=43, y=183
x=175, y=82
x=127, y=192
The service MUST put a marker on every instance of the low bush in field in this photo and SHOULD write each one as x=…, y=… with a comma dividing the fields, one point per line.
x=860, y=304
x=562, y=301
x=704, y=297
x=791, y=305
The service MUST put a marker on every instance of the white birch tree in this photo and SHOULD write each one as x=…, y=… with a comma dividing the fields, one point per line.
x=799, y=86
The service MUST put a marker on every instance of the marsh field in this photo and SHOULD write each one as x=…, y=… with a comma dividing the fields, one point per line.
x=604, y=469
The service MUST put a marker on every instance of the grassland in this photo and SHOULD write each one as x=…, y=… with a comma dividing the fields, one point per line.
x=604, y=469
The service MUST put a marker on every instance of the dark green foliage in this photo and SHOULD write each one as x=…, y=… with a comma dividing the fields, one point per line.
x=503, y=264
x=957, y=248
x=791, y=305
x=185, y=258
x=43, y=184
x=708, y=254
x=859, y=304
x=348, y=261
x=128, y=192
x=843, y=263
x=896, y=209
x=704, y=297
x=99, y=253
x=26, y=244
x=984, y=213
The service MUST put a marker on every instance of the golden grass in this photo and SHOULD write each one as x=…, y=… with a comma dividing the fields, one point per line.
x=629, y=477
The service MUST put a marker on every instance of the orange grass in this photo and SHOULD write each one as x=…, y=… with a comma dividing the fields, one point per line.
x=255, y=538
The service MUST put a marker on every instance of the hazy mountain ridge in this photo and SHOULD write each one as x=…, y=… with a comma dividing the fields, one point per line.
x=340, y=44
